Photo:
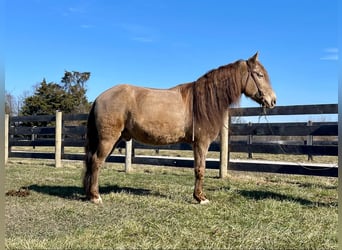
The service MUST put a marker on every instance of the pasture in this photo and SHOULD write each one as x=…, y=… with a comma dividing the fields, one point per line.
x=152, y=207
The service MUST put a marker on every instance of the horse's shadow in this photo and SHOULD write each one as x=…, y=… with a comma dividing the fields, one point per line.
x=262, y=195
x=77, y=193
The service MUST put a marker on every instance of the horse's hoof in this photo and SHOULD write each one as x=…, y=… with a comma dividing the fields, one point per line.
x=203, y=202
x=97, y=201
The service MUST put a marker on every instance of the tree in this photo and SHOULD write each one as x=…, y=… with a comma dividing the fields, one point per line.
x=69, y=97
x=47, y=98
x=11, y=104
x=74, y=85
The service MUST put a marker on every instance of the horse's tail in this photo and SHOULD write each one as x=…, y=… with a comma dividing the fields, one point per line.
x=92, y=140
x=92, y=136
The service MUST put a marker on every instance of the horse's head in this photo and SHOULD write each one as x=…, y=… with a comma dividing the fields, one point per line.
x=258, y=86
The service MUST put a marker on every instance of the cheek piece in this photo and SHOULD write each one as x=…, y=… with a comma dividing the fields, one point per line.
x=260, y=94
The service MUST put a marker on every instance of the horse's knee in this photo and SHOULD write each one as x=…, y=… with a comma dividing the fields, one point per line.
x=199, y=173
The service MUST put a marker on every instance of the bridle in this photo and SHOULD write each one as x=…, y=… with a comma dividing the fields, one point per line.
x=256, y=81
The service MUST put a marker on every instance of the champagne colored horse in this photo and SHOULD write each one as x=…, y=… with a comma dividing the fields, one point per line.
x=191, y=112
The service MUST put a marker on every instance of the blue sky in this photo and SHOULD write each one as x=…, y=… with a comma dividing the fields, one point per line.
x=162, y=43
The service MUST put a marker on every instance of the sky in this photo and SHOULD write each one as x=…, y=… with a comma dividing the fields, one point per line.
x=162, y=43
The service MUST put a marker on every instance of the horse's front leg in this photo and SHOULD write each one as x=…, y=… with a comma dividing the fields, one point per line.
x=200, y=154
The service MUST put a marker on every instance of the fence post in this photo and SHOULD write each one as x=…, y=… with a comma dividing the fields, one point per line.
x=224, y=146
x=6, y=137
x=58, y=139
x=128, y=158
x=62, y=136
x=309, y=141
x=249, y=142
x=33, y=136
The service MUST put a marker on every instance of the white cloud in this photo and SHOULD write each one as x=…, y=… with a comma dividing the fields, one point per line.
x=143, y=39
x=331, y=54
x=329, y=58
x=331, y=50
x=76, y=9
x=139, y=33
x=87, y=26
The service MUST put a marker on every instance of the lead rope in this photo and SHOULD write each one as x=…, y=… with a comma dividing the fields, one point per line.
x=193, y=115
x=193, y=125
x=264, y=114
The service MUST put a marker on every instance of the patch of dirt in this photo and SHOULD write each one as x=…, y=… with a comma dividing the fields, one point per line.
x=22, y=192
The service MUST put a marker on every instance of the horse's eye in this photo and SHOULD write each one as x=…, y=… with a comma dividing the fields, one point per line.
x=259, y=74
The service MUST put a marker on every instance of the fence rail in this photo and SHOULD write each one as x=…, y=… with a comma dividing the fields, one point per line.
x=299, y=138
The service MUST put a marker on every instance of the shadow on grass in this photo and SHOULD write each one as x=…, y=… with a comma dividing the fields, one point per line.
x=77, y=193
x=262, y=195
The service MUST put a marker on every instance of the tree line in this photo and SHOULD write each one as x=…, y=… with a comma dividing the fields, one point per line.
x=68, y=96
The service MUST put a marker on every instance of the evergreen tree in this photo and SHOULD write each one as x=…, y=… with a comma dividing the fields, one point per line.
x=68, y=98
x=74, y=85
x=47, y=98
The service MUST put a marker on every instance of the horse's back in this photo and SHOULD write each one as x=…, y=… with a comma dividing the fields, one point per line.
x=141, y=98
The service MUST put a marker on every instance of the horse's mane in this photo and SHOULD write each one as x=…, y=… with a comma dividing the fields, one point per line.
x=214, y=92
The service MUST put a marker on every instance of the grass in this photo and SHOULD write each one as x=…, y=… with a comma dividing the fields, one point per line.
x=152, y=207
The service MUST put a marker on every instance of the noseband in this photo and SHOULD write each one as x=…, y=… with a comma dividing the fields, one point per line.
x=255, y=79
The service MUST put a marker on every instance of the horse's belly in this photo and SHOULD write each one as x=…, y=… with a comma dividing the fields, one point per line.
x=160, y=123
x=159, y=131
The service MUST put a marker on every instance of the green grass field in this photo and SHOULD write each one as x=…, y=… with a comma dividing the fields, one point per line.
x=152, y=207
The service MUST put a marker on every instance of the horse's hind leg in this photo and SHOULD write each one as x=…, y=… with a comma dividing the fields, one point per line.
x=94, y=161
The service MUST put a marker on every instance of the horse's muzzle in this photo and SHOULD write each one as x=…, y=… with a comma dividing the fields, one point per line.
x=269, y=101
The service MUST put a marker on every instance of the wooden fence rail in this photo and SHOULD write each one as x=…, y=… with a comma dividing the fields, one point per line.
x=300, y=138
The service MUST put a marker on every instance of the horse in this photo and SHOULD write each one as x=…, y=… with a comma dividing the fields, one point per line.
x=190, y=112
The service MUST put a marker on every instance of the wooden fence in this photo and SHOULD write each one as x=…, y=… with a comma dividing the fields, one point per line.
x=298, y=138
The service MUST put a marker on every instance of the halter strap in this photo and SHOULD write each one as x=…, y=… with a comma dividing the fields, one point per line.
x=256, y=81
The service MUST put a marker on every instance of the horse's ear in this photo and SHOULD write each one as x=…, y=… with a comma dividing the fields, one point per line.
x=254, y=58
